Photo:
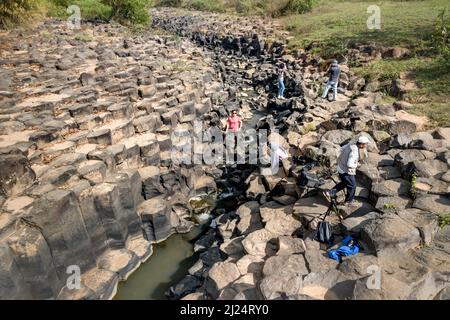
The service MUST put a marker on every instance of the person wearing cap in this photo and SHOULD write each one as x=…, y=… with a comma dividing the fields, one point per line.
x=334, y=71
x=347, y=163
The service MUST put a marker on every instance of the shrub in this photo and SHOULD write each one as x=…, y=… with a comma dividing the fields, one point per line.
x=297, y=6
x=169, y=3
x=206, y=5
x=129, y=11
x=285, y=7
x=441, y=37
x=89, y=9
x=388, y=206
x=93, y=9
x=14, y=12
x=444, y=220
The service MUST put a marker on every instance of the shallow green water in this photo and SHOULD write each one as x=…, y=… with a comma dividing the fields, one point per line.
x=168, y=265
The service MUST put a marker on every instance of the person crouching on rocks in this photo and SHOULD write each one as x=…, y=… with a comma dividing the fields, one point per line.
x=347, y=163
x=334, y=71
x=281, y=71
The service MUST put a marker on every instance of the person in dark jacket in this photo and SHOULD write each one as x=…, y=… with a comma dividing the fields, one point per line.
x=334, y=71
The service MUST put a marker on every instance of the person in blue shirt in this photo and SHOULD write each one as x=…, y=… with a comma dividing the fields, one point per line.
x=349, y=248
x=281, y=73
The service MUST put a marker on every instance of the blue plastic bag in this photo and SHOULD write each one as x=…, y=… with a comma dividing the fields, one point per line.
x=345, y=250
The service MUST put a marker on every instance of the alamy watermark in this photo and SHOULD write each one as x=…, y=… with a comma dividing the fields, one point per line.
x=214, y=147
x=73, y=281
x=374, y=280
x=374, y=20
x=74, y=20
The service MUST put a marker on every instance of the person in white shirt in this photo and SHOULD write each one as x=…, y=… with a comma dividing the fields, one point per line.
x=277, y=154
x=347, y=163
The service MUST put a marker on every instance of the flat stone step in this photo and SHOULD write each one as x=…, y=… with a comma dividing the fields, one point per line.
x=102, y=137
x=121, y=111
x=93, y=171
x=81, y=110
x=59, y=149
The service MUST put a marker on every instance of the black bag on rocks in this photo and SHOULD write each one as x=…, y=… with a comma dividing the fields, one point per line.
x=324, y=233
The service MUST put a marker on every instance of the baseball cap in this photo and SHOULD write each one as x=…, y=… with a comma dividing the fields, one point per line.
x=363, y=139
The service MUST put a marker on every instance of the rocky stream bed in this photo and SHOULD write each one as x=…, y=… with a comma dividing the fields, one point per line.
x=88, y=178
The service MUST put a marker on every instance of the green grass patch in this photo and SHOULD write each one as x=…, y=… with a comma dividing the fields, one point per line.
x=206, y=5
x=444, y=220
x=273, y=8
x=402, y=23
x=389, y=206
x=84, y=37
x=132, y=12
x=20, y=12
x=89, y=9
x=438, y=112
x=432, y=77
x=422, y=26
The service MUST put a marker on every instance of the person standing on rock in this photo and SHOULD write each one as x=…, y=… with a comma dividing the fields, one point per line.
x=281, y=73
x=232, y=129
x=347, y=163
x=234, y=123
x=333, y=71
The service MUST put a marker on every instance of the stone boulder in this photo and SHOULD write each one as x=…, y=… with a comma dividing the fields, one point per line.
x=258, y=243
x=390, y=232
x=219, y=276
x=425, y=222
x=432, y=203
x=329, y=285
x=355, y=222
x=308, y=209
x=16, y=174
x=339, y=137
x=285, y=265
x=278, y=286
x=250, y=264
x=250, y=219
x=430, y=168
x=394, y=187
x=185, y=287
x=278, y=219
x=289, y=245
x=158, y=220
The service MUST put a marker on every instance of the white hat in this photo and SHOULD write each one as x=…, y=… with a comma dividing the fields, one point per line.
x=363, y=140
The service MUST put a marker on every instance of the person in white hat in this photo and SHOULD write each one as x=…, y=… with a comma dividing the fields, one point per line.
x=347, y=163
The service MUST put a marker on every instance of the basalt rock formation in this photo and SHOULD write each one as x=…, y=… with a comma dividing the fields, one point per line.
x=265, y=248
x=87, y=179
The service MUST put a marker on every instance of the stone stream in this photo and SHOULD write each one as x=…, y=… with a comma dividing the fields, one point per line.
x=89, y=179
